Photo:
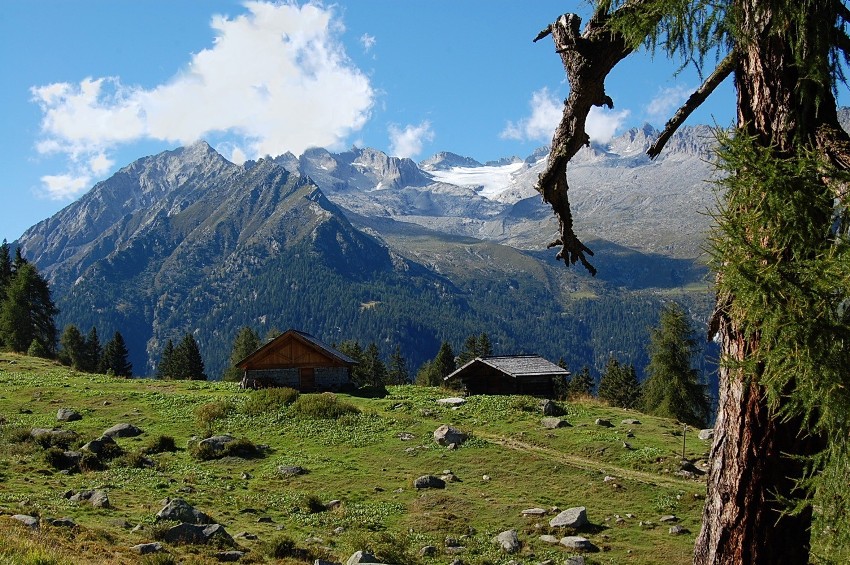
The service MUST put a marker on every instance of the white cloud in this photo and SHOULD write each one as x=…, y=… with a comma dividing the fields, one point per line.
x=61, y=187
x=546, y=111
x=602, y=124
x=368, y=41
x=272, y=79
x=408, y=142
x=666, y=102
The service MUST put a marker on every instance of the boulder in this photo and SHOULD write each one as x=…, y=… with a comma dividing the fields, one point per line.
x=181, y=511
x=361, y=557
x=631, y=422
x=57, y=436
x=122, y=430
x=578, y=543
x=453, y=401
x=677, y=530
x=429, y=481
x=428, y=551
x=551, y=423
x=446, y=435
x=63, y=523
x=550, y=408
x=68, y=415
x=552, y=540
x=28, y=521
x=216, y=443
x=197, y=534
x=229, y=556
x=146, y=548
x=97, y=498
x=706, y=435
x=100, y=445
x=668, y=518
x=291, y=470
x=604, y=423
x=534, y=512
x=508, y=541
x=570, y=518
x=574, y=560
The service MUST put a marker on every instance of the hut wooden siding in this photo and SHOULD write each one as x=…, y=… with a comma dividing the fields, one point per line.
x=515, y=374
x=297, y=360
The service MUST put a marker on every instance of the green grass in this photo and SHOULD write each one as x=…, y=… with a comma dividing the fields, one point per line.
x=352, y=450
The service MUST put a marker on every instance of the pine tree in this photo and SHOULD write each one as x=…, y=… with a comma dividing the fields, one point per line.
x=352, y=349
x=373, y=366
x=5, y=269
x=73, y=346
x=444, y=362
x=427, y=376
x=672, y=388
x=485, y=348
x=470, y=350
x=397, y=372
x=580, y=385
x=187, y=361
x=114, y=360
x=92, y=352
x=619, y=385
x=246, y=342
x=28, y=312
x=166, y=368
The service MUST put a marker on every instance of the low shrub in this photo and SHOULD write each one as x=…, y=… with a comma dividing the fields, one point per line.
x=158, y=559
x=160, y=444
x=281, y=547
x=324, y=406
x=91, y=462
x=55, y=457
x=269, y=400
x=135, y=460
x=209, y=413
x=17, y=435
x=242, y=447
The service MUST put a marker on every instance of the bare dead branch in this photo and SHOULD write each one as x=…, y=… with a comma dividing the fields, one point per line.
x=723, y=70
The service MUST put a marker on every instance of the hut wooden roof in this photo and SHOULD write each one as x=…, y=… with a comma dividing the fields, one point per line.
x=516, y=366
x=304, y=338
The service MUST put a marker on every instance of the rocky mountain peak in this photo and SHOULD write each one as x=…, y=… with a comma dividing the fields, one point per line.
x=445, y=160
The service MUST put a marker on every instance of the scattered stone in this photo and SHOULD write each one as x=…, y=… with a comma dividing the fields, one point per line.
x=508, y=541
x=216, y=443
x=552, y=423
x=68, y=415
x=576, y=560
x=361, y=557
x=100, y=445
x=608, y=479
x=578, y=543
x=100, y=499
x=429, y=481
x=428, y=551
x=446, y=435
x=619, y=519
x=265, y=520
x=630, y=516
x=668, y=518
x=406, y=436
x=197, y=534
x=181, y=511
x=324, y=562
x=335, y=503
x=246, y=535
x=339, y=530
x=123, y=430
x=631, y=422
x=688, y=467
x=550, y=408
x=485, y=478
x=146, y=548
x=677, y=530
x=28, y=521
x=245, y=476
x=57, y=435
x=63, y=523
x=533, y=512
x=454, y=401
x=706, y=434
x=630, y=434
x=291, y=470
x=604, y=423
x=450, y=478
x=138, y=528
x=229, y=556
x=570, y=518
x=546, y=538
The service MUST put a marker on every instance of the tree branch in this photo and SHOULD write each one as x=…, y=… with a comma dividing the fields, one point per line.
x=723, y=70
x=834, y=143
x=842, y=41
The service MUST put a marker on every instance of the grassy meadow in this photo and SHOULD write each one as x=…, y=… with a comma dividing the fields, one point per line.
x=364, y=452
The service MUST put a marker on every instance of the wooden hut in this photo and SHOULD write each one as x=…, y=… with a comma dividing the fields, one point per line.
x=297, y=360
x=514, y=374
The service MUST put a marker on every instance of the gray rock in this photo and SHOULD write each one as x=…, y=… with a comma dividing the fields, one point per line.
x=146, y=548
x=706, y=434
x=63, y=523
x=668, y=518
x=551, y=423
x=533, y=512
x=508, y=541
x=330, y=505
x=570, y=518
x=123, y=430
x=324, y=562
x=361, y=557
x=57, y=435
x=28, y=521
x=575, y=560
x=100, y=499
x=429, y=481
x=550, y=408
x=428, y=551
x=68, y=415
x=100, y=445
x=216, y=443
x=446, y=435
x=229, y=556
x=604, y=423
x=677, y=530
x=291, y=470
x=181, y=511
x=546, y=538
x=631, y=422
x=578, y=543
x=454, y=401
x=197, y=534
x=245, y=535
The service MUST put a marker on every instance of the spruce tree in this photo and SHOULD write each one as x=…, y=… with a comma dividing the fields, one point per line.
x=352, y=349
x=114, y=360
x=397, y=372
x=246, y=342
x=373, y=366
x=470, y=350
x=166, y=369
x=187, y=361
x=444, y=363
x=426, y=375
x=672, y=388
x=5, y=269
x=581, y=384
x=485, y=348
x=28, y=312
x=73, y=347
x=92, y=352
x=619, y=385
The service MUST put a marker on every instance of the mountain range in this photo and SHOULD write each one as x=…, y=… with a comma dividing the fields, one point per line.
x=361, y=245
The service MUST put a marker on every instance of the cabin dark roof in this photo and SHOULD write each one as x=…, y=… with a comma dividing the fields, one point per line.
x=304, y=337
x=517, y=366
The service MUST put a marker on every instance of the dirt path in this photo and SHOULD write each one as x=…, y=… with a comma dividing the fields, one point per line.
x=586, y=464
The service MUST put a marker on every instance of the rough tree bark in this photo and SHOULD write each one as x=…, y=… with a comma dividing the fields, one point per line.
x=780, y=106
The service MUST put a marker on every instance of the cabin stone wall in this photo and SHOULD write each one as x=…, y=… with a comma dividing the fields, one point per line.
x=264, y=378
x=331, y=378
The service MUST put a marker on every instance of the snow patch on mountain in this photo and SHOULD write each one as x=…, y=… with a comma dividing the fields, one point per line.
x=488, y=182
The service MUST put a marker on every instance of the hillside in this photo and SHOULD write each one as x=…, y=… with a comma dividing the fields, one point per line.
x=367, y=461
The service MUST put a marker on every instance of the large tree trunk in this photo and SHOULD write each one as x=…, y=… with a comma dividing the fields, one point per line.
x=743, y=521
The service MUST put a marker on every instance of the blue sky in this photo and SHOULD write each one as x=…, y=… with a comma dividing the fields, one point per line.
x=92, y=85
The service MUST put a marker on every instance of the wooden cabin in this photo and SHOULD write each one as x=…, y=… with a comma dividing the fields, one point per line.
x=297, y=360
x=513, y=374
